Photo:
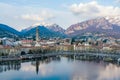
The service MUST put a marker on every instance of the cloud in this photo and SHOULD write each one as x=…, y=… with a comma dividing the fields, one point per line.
x=44, y=15
x=21, y=17
x=93, y=9
x=118, y=1
x=42, y=23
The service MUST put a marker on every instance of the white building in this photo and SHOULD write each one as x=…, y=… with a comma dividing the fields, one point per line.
x=7, y=42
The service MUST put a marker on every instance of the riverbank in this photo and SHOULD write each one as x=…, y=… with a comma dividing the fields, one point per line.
x=73, y=55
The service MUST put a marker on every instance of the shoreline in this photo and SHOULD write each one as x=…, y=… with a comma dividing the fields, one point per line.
x=73, y=55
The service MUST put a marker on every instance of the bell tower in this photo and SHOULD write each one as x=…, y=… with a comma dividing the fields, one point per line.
x=37, y=34
x=37, y=37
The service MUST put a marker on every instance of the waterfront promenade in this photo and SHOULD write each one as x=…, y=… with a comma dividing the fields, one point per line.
x=74, y=55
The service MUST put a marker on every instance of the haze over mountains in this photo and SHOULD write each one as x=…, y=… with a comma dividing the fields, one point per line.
x=109, y=26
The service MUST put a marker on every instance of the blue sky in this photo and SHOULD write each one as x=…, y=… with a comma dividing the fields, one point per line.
x=21, y=14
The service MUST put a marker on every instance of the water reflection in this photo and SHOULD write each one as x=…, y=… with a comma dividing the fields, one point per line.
x=58, y=68
x=7, y=66
x=37, y=67
x=40, y=65
x=110, y=72
x=16, y=65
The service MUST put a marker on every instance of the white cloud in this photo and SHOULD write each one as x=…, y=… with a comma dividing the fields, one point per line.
x=93, y=9
x=118, y=1
x=44, y=15
x=32, y=17
x=21, y=17
x=42, y=23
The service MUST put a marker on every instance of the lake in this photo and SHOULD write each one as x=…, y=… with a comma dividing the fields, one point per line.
x=58, y=68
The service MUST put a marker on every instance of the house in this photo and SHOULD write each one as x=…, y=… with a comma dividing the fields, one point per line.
x=27, y=43
x=7, y=41
x=67, y=41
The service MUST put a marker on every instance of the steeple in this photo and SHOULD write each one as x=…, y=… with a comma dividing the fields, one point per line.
x=37, y=34
x=37, y=37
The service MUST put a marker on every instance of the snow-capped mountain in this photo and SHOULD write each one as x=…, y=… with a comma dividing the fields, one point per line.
x=107, y=25
x=113, y=19
x=56, y=28
x=52, y=27
x=43, y=33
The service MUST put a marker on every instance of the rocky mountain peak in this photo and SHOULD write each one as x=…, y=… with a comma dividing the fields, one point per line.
x=113, y=19
x=106, y=25
x=100, y=23
x=56, y=28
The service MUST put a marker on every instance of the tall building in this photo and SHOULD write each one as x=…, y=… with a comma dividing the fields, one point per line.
x=37, y=37
x=37, y=34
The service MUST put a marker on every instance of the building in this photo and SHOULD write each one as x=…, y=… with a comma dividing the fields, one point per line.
x=27, y=43
x=7, y=42
x=37, y=38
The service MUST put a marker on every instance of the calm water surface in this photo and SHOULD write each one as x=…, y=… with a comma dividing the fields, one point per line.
x=59, y=69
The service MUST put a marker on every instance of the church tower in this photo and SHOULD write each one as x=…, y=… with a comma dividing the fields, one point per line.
x=37, y=34
x=37, y=37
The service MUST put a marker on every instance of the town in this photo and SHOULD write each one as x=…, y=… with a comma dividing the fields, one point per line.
x=60, y=40
x=86, y=43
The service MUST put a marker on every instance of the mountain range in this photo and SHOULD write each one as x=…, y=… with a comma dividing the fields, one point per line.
x=43, y=32
x=56, y=28
x=7, y=31
x=52, y=27
x=50, y=31
x=108, y=26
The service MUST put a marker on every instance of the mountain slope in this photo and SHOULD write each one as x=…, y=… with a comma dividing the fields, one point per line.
x=52, y=27
x=43, y=32
x=6, y=31
x=113, y=19
x=95, y=26
x=56, y=28
x=27, y=29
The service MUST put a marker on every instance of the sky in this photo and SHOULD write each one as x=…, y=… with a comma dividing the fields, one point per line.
x=21, y=14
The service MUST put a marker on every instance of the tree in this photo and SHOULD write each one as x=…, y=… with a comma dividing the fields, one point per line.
x=1, y=43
